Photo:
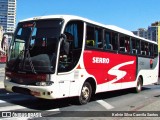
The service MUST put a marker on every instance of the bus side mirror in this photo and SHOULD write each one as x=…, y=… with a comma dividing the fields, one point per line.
x=65, y=43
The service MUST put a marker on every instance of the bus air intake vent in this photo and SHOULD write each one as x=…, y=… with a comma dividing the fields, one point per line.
x=21, y=90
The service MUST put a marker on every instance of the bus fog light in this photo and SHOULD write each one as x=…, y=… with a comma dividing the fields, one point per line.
x=47, y=83
x=7, y=78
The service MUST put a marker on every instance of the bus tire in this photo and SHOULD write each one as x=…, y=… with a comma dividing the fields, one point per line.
x=86, y=93
x=139, y=85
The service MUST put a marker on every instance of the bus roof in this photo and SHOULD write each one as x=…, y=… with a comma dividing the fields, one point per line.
x=73, y=17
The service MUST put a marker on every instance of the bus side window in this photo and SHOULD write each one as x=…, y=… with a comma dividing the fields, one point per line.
x=108, y=45
x=94, y=37
x=127, y=44
x=110, y=40
x=114, y=40
x=124, y=44
x=155, y=51
x=98, y=38
x=147, y=49
x=138, y=46
x=144, y=48
x=151, y=52
x=90, y=41
x=71, y=48
x=135, y=46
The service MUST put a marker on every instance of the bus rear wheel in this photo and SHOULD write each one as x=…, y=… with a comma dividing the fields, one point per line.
x=139, y=85
x=86, y=93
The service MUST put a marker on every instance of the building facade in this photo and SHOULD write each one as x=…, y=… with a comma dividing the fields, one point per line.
x=142, y=32
x=156, y=26
x=8, y=15
x=152, y=33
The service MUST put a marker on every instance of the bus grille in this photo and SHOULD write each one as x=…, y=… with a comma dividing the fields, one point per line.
x=24, y=81
x=21, y=90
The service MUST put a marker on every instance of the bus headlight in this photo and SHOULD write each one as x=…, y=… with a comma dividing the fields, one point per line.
x=7, y=78
x=47, y=83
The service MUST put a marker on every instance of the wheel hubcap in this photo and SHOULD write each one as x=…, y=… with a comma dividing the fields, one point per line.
x=85, y=92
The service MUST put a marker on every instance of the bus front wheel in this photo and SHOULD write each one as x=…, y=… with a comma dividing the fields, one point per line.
x=86, y=93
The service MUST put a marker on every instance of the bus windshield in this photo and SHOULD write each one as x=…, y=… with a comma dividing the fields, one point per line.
x=34, y=46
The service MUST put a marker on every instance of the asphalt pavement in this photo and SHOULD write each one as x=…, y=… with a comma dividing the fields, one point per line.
x=149, y=107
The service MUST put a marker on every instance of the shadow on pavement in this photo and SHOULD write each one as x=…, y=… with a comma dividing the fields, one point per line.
x=31, y=102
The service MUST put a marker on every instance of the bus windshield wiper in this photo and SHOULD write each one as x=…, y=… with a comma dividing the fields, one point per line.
x=27, y=53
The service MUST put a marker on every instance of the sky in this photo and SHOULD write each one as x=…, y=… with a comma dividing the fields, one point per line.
x=127, y=14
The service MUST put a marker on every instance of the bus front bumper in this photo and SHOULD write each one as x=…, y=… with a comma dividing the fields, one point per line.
x=46, y=92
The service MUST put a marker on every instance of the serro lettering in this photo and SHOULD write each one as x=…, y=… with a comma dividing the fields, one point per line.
x=100, y=60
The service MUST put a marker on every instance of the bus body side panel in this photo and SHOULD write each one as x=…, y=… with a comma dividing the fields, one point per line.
x=148, y=69
x=70, y=84
x=111, y=70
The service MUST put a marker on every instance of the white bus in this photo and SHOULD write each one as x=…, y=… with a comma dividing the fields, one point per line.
x=61, y=56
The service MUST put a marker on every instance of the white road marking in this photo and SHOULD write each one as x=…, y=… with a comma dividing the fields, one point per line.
x=10, y=108
x=56, y=110
x=1, y=101
x=16, y=118
x=105, y=104
x=18, y=107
